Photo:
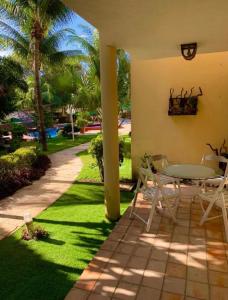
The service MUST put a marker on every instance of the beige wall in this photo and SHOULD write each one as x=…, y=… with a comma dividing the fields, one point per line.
x=181, y=138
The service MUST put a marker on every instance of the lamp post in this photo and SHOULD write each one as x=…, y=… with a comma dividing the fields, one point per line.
x=71, y=111
x=28, y=222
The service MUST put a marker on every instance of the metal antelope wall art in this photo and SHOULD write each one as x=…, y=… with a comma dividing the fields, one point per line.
x=184, y=103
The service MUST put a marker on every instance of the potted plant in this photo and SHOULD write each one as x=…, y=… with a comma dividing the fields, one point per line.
x=82, y=121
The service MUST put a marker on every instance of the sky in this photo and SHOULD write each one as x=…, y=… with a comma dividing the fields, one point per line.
x=75, y=23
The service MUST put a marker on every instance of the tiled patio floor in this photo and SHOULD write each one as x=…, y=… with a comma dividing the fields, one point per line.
x=171, y=262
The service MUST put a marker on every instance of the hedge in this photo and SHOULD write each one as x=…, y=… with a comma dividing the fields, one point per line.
x=20, y=168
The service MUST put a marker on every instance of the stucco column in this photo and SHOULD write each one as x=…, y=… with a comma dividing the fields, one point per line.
x=108, y=69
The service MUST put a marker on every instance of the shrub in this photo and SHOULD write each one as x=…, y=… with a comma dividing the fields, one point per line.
x=82, y=119
x=17, y=130
x=20, y=168
x=96, y=149
x=67, y=130
x=27, y=155
x=37, y=233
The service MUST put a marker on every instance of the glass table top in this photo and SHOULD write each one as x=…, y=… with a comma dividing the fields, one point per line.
x=189, y=171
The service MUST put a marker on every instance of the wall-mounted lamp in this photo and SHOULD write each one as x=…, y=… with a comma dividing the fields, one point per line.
x=189, y=50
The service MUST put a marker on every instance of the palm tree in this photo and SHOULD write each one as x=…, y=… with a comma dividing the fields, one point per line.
x=11, y=79
x=89, y=94
x=33, y=35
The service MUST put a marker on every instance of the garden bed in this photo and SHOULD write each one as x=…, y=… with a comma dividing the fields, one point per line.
x=20, y=168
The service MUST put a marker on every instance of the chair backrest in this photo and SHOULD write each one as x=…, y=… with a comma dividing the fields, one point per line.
x=224, y=181
x=159, y=161
x=214, y=161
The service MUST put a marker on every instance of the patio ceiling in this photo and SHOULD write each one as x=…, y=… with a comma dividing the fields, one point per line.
x=155, y=28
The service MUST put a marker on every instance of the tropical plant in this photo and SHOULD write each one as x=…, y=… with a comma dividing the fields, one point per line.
x=11, y=79
x=32, y=31
x=96, y=150
x=89, y=93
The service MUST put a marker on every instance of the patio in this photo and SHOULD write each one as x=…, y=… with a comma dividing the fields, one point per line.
x=181, y=261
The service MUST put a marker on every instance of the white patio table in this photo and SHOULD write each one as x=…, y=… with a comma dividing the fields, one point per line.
x=189, y=171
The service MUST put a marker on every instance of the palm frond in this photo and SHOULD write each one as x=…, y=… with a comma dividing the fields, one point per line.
x=11, y=43
x=89, y=47
x=13, y=33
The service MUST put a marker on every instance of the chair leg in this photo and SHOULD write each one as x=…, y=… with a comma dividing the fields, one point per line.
x=171, y=212
x=205, y=215
x=225, y=220
x=150, y=219
x=133, y=205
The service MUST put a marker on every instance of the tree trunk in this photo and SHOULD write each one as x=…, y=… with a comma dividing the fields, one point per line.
x=37, y=94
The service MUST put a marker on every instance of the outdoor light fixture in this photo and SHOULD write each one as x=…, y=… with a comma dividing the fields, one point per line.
x=28, y=222
x=189, y=50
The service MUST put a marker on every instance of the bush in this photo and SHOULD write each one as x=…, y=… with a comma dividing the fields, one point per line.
x=96, y=149
x=20, y=168
x=67, y=130
x=82, y=119
x=17, y=130
x=37, y=233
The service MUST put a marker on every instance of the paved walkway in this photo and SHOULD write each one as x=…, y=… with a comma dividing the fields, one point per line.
x=42, y=193
x=182, y=261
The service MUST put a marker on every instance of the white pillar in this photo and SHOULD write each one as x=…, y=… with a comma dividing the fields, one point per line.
x=108, y=70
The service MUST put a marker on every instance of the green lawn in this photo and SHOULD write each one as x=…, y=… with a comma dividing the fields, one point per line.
x=61, y=143
x=47, y=269
x=90, y=171
x=77, y=226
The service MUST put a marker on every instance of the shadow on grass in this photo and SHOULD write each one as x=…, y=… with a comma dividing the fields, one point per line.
x=47, y=269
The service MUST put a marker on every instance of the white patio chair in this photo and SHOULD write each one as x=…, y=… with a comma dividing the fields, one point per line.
x=156, y=194
x=217, y=197
x=212, y=159
x=160, y=162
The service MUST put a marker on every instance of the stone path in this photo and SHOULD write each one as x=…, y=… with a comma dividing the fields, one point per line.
x=42, y=193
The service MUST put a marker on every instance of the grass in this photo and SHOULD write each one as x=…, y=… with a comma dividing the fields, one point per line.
x=60, y=143
x=77, y=226
x=47, y=269
x=90, y=171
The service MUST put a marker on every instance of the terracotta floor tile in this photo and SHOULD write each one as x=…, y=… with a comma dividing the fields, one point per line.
x=176, y=270
x=219, y=265
x=159, y=254
x=131, y=275
x=171, y=296
x=197, y=290
x=142, y=251
x=77, y=294
x=180, y=238
x=146, y=293
x=105, y=287
x=196, y=262
x=214, y=234
x=137, y=262
x=94, y=296
x=174, y=285
x=126, y=291
x=196, y=274
x=181, y=230
x=125, y=248
x=199, y=232
x=170, y=262
x=119, y=259
x=179, y=247
x=218, y=278
x=153, y=279
x=177, y=257
x=154, y=274
x=219, y=293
